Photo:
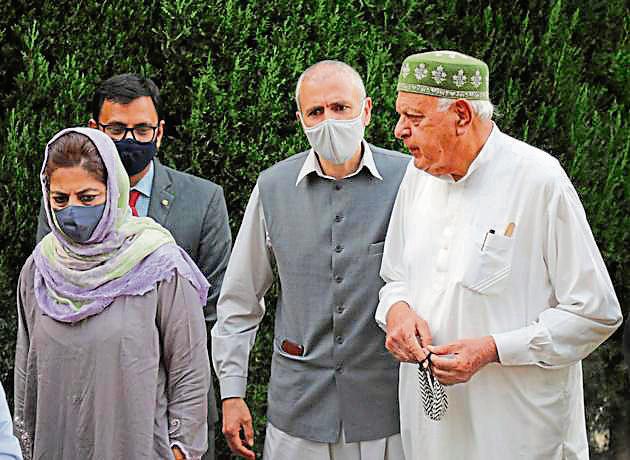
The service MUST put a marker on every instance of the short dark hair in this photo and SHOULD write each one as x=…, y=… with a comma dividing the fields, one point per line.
x=75, y=149
x=123, y=89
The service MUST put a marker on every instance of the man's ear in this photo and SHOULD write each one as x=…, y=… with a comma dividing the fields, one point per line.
x=367, y=110
x=92, y=124
x=464, y=112
x=160, y=133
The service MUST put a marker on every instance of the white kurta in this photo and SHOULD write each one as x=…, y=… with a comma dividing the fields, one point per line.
x=543, y=293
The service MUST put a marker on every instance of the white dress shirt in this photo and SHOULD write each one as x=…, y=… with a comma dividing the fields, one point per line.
x=543, y=293
x=9, y=446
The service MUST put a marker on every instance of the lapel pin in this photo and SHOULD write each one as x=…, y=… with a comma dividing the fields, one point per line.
x=164, y=202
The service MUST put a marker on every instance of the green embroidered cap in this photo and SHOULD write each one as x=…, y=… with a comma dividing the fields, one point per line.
x=445, y=74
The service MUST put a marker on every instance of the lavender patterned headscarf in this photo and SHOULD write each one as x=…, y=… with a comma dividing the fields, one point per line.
x=125, y=255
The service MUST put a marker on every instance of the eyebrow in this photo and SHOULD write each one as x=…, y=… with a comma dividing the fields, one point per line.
x=338, y=102
x=408, y=111
x=341, y=102
x=310, y=109
x=116, y=122
x=85, y=190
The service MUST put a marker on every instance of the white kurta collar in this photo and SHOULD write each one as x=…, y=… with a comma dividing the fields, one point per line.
x=311, y=164
x=485, y=154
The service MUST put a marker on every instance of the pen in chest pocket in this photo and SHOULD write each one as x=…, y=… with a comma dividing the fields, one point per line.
x=509, y=231
x=489, y=232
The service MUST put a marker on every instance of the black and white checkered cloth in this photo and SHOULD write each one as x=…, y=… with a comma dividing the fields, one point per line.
x=434, y=400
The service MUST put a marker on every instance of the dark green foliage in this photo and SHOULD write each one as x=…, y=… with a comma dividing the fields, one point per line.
x=227, y=70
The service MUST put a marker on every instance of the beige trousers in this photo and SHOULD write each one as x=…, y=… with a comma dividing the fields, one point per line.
x=282, y=446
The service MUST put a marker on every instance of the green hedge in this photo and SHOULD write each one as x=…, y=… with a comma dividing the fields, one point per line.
x=227, y=71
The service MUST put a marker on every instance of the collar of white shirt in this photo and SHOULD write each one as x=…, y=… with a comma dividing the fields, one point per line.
x=145, y=184
x=311, y=164
x=484, y=155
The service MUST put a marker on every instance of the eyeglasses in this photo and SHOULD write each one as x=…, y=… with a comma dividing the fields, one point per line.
x=141, y=133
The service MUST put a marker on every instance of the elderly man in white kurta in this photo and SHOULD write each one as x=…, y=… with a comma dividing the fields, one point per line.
x=490, y=265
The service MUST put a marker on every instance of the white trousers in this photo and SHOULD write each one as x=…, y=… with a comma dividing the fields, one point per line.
x=282, y=446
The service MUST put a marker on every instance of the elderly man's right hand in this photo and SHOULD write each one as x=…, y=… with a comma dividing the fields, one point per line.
x=408, y=334
x=236, y=415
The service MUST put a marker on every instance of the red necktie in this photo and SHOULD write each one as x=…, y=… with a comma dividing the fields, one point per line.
x=133, y=199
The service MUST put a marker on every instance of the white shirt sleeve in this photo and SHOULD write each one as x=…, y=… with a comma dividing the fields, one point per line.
x=587, y=310
x=241, y=306
x=9, y=446
x=392, y=267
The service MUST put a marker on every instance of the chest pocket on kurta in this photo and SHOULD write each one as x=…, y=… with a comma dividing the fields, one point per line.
x=487, y=261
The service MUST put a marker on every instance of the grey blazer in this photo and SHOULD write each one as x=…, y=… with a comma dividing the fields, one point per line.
x=194, y=211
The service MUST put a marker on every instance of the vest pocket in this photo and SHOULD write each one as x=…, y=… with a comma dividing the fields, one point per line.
x=291, y=355
x=487, y=261
x=287, y=379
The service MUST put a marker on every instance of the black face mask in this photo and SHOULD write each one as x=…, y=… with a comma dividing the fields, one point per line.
x=135, y=156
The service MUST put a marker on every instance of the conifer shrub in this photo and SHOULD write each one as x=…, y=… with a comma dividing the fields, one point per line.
x=227, y=71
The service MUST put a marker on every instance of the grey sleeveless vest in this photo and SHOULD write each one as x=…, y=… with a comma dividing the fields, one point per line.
x=327, y=238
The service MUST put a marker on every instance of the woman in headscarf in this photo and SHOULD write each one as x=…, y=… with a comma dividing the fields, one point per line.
x=111, y=358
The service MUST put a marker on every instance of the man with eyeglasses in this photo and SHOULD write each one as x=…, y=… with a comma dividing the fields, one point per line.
x=127, y=108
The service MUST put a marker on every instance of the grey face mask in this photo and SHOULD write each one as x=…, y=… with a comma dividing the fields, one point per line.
x=79, y=222
x=336, y=140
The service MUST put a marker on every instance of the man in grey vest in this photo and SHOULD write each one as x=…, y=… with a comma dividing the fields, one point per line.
x=321, y=217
